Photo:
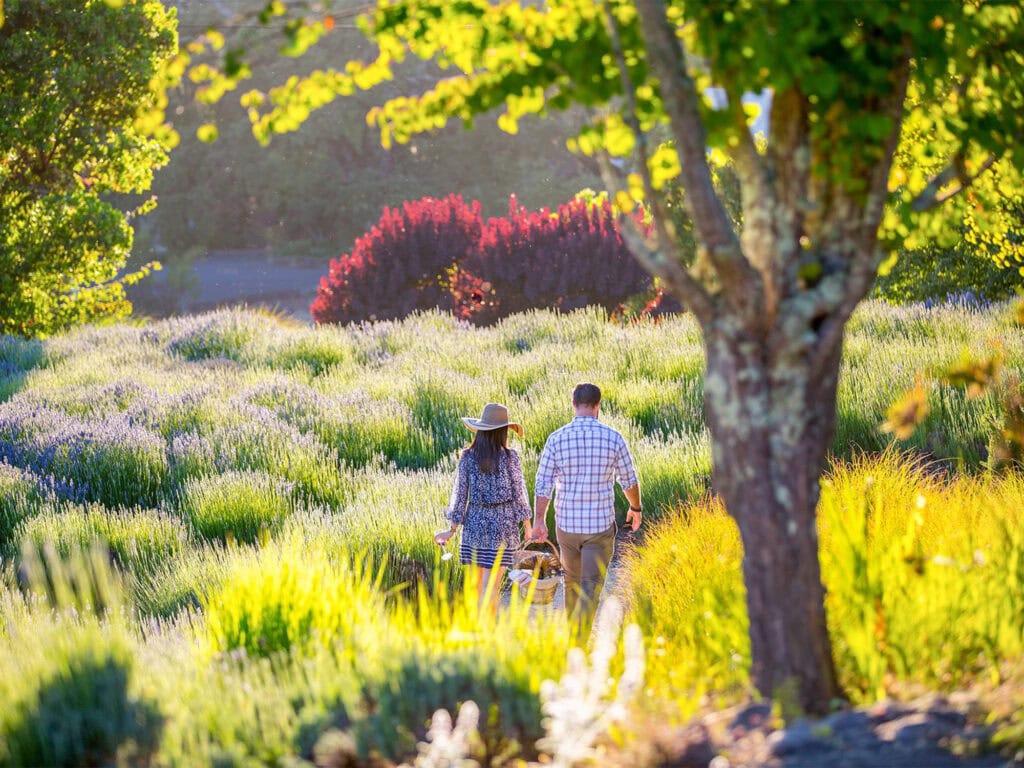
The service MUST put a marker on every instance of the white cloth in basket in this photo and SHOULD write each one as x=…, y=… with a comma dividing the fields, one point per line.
x=519, y=576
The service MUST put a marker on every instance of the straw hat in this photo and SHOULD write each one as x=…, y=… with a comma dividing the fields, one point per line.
x=495, y=416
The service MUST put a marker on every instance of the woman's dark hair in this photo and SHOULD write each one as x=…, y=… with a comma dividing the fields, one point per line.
x=487, y=445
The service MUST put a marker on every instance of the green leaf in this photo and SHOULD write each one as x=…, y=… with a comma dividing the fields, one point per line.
x=207, y=133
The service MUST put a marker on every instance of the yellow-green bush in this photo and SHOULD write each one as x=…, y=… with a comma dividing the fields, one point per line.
x=689, y=599
x=924, y=577
x=285, y=597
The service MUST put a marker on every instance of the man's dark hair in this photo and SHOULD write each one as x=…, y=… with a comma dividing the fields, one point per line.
x=586, y=394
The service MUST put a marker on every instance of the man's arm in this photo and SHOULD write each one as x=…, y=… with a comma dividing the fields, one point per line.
x=543, y=488
x=635, y=515
x=630, y=485
x=539, y=531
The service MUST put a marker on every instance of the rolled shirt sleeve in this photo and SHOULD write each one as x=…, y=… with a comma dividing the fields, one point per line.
x=547, y=469
x=624, y=470
x=456, y=511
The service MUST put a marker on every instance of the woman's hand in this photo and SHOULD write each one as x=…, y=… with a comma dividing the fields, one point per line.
x=441, y=537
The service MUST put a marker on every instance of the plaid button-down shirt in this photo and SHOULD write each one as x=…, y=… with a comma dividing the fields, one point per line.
x=580, y=464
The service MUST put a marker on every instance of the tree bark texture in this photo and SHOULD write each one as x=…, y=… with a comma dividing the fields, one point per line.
x=771, y=426
x=773, y=294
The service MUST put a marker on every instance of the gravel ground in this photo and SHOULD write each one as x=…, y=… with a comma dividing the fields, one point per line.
x=929, y=732
x=252, y=278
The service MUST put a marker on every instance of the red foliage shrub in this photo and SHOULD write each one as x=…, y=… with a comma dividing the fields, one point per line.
x=438, y=253
x=400, y=265
x=567, y=259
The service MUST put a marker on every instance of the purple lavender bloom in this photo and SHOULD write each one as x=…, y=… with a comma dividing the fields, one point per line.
x=104, y=459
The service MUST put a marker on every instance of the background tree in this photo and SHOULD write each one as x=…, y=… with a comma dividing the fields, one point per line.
x=81, y=93
x=934, y=273
x=320, y=188
x=825, y=201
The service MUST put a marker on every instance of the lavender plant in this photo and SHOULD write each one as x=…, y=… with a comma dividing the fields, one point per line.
x=236, y=505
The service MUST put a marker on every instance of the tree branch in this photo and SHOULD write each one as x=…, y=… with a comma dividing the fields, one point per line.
x=931, y=197
x=739, y=280
x=760, y=235
x=840, y=295
x=866, y=256
x=662, y=261
x=678, y=281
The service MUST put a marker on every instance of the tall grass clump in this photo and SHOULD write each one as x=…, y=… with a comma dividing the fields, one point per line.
x=658, y=407
x=391, y=519
x=285, y=597
x=437, y=409
x=139, y=540
x=316, y=350
x=363, y=430
x=672, y=471
x=925, y=574
x=20, y=497
x=180, y=584
x=887, y=348
x=254, y=439
x=690, y=602
x=924, y=578
x=240, y=506
x=229, y=334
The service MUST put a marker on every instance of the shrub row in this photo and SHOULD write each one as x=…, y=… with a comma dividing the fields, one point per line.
x=440, y=253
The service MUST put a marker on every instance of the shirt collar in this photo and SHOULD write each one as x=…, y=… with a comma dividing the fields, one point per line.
x=584, y=418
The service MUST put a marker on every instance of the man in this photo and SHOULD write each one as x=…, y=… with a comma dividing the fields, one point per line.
x=580, y=465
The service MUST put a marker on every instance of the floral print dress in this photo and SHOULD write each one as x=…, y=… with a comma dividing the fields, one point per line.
x=489, y=508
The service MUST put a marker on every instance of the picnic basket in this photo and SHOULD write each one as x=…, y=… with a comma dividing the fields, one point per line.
x=547, y=568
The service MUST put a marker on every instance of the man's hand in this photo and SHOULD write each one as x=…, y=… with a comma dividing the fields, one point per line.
x=538, y=532
x=634, y=517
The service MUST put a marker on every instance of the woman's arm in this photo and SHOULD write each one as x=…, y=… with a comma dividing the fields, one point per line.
x=518, y=479
x=456, y=511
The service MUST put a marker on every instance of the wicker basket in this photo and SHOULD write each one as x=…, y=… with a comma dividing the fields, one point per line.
x=532, y=560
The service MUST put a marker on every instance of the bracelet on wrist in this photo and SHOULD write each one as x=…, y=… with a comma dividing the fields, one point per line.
x=636, y=509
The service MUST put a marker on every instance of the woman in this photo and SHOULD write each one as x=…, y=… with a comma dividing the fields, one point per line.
x=489, y=499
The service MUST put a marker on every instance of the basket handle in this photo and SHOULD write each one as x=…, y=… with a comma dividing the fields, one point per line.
x=527, y=542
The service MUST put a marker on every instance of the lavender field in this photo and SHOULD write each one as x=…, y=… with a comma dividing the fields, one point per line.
x=214, y=528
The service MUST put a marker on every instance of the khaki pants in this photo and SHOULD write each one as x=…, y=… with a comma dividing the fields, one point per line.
x=585, y=558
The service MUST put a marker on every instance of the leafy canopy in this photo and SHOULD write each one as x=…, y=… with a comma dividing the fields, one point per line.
x=82, y=94
x=955, y=175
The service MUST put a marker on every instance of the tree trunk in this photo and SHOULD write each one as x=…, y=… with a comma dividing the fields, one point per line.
x=772, y=421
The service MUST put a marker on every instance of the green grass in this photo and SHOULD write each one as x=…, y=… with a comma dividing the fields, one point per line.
x=239, y=506
x=139, y=540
